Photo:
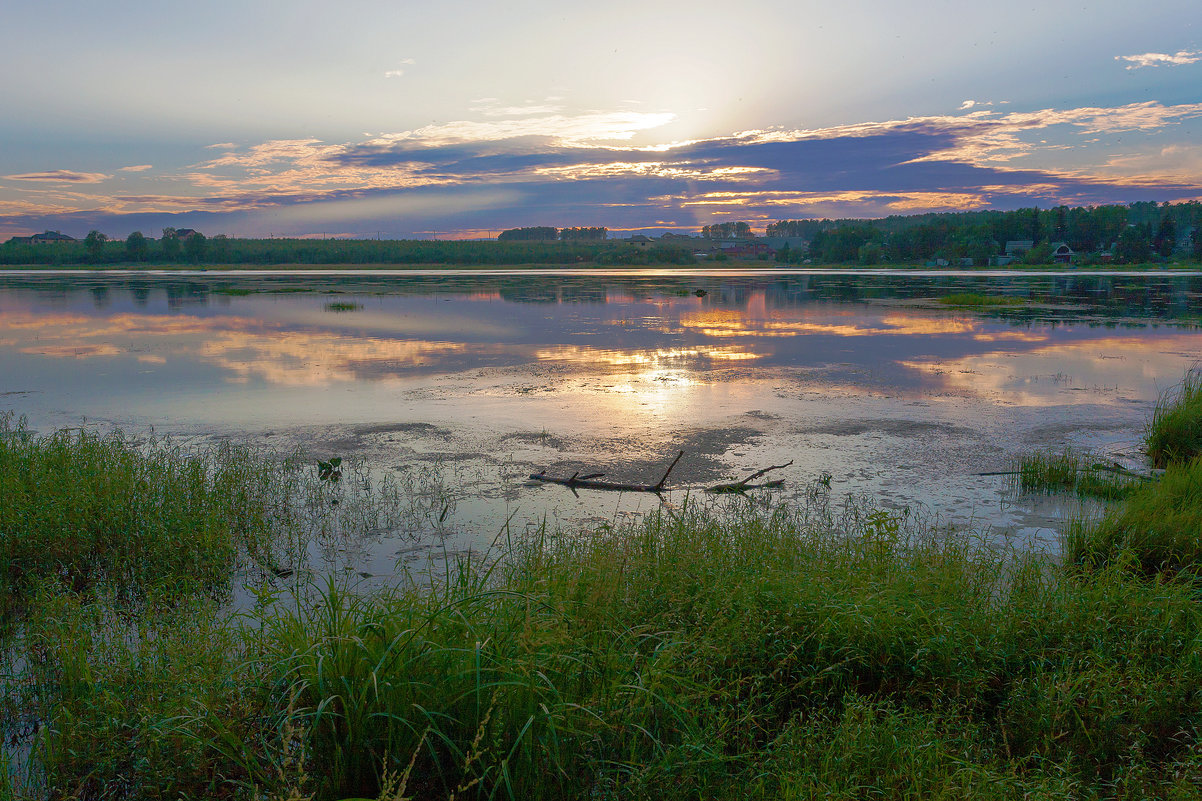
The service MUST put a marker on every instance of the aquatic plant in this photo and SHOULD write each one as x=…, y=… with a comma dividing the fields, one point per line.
x=80, y=506
x=975, y=299
x=1174, y=433
x=1077, y=473
x=1157, y=529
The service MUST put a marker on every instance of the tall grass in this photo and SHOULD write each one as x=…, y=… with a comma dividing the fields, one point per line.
x=747, y=653
x=1076, y=473
x=80, y=507
x=747, y=650
x=1175, y=432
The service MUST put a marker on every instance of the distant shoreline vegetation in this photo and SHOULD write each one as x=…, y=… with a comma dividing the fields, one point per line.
x=1137, y=233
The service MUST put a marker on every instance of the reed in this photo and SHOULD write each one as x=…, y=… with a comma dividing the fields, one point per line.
x=1174, y=433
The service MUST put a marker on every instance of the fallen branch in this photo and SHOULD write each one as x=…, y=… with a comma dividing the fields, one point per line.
x=590, y=481
x=745, y=484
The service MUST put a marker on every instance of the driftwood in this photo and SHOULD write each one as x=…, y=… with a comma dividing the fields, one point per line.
x=745, y=484
x=590, y=481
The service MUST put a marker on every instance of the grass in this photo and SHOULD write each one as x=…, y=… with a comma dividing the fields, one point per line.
x=742, y=651
x=1067, y=471
x=82, y=508
x=739, y=652
x=1157, y=529
x=1175, y=432
x=974, y=299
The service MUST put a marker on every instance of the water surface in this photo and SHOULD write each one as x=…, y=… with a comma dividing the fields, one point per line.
x=483, y=378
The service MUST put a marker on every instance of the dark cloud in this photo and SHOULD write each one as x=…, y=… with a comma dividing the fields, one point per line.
x=871, y=172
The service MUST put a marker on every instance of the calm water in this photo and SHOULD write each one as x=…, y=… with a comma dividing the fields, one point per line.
x=481, y=379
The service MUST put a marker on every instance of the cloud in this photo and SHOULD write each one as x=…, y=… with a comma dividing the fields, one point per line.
x=540, y=167
x=397, y=73
x=137, y=168
x=1161, y=59
x=221, y=146
x=61, y=176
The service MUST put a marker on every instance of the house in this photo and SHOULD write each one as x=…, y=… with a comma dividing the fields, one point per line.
x=185, y=233
x=1015, y=248
x=745, y=249
x=1062, y=253
x=1001, y=260
x=51, y=237
x=19, y=240
x=639, y=241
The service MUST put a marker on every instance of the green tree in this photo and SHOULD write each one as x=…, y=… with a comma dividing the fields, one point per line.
x=1133, y=245
x=171, y=246
x=583, y=234
x=195, y=246
x=135, y=246
x=870, y=253
x=94, y=242
x=220, y=250
x=1166, y=236
x=537, y=233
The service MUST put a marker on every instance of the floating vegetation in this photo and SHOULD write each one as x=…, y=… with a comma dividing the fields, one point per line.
x=343, y=306
x=974, y=299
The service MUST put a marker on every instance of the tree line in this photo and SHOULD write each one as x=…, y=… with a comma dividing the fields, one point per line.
x=195, y=248
x=1132, y=233
x=544, y=233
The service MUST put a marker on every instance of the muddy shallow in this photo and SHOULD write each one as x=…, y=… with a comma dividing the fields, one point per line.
x=464, y=384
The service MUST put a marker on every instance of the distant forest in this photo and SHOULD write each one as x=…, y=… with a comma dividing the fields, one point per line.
x=1134, y=233
x=1125, y=234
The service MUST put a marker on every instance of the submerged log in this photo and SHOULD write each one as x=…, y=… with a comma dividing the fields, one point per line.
x=590, y=481
x=745, y=484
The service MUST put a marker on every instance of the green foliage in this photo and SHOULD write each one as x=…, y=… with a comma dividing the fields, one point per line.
x=1133, y=245
x=81, y=508
x=540, y=233
x=1175, y=432
x=136, y=247
x=727, y=230
x=1158, y=529
x=95, y=242
x=195, y=246
x=1078, y=474
x=977, y=299
x=330, y=472
x=1040, y=254
x=584, y=234
x=169, y=245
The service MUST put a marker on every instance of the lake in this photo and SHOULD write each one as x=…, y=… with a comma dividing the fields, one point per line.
x=460, y=384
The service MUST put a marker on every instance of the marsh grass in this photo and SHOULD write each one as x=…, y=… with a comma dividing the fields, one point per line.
x=81, y=507
x=1175, y=431
x=1158, y=528
x=732, y=650
x=1075, y=473
x=975, y=299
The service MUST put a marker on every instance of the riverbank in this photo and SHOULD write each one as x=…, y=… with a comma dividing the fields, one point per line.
x=744, y=650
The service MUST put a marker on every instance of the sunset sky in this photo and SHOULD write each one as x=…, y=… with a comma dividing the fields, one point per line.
x=446, y=119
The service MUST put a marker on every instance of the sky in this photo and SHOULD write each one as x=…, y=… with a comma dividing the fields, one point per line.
x=461, y=119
